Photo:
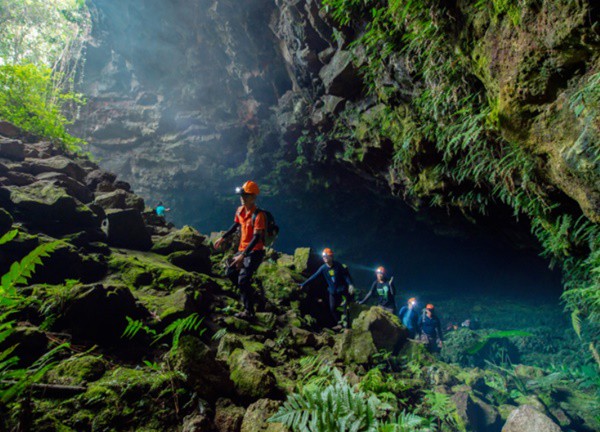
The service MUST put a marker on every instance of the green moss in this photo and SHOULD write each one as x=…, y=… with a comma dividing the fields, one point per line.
x=279, y=282
x=77, y=370
x=249, y=375
x=137, y=269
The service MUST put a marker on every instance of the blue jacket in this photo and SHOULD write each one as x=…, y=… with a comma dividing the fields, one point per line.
x=337, y=277
x=431, y=326
x=410, y=319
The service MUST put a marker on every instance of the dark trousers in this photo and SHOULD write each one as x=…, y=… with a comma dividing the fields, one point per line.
x=242, y=278
x=336, y=300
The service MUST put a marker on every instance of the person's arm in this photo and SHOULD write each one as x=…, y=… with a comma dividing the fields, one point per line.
x=403, y=310
x=438, y=326
x=369, y=294
x=312, y=278
x=392, y=287
x=347, y=276
x=233, y=228
x=255, y=239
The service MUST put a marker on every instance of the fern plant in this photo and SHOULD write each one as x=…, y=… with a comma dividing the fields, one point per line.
x=191, y=323
x=13, y=380
x=339, y=407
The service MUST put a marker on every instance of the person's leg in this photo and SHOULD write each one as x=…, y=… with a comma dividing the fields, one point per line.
x=250, y=264
x=334, y=301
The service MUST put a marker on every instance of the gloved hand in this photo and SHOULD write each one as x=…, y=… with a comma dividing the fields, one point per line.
x=351, y=289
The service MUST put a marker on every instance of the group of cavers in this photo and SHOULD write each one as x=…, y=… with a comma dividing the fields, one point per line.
x=257, y=228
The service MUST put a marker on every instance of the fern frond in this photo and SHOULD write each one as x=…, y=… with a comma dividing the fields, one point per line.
x=8, y=236
x=576, y=322
x=21, y=271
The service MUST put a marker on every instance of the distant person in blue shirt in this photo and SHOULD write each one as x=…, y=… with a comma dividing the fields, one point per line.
x=410, y=317
x=339, y=286
x=430, y=329
x=161, y=209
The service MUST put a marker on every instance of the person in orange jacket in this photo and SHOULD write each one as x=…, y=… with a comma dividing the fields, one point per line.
x=251, y=249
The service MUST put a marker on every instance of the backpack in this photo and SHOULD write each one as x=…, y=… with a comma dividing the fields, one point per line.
x=272, y=228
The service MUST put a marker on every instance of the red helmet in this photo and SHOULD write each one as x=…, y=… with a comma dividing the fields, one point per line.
x=380, y=269
x=430, y=306
x=248, y=188
x=327, y=251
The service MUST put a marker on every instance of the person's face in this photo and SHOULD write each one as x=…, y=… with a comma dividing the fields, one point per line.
x=429, y=313
x=379, y=276
x=247, y=199
x=328, y=259
x=411, y=304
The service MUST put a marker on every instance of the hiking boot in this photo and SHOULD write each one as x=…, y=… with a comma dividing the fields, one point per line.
x=336, y=328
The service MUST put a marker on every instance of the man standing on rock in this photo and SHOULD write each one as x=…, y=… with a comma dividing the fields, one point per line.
x=339, y=286
x=251, y=250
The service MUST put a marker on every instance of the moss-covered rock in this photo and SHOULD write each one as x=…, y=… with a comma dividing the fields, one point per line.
x=252, y=379
x=228, y=417
x=77, y=370
x=196, y=260
x=138, y=269
x=356, y=346
x=278, y=282
x=184, y=239
x=385, y=328
x=257, y=414
x=43, y=203
x=209, y=379
x=98, y=313
x=142, y=399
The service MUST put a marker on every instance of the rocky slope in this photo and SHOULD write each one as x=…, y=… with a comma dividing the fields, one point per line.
x=192, y=365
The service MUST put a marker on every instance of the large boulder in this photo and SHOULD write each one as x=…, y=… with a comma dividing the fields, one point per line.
x=12, y=149
x=119, y=199
x=72, y=187
x=45, y=203
x=126, y=229
x=252, y=379
x=355, y=347
x=528, y=419
x=203, y=372
x=59, y=164
x=228, y=417
x=184, y=239
x=476, y=414
x=98, y=176
x=305, y=261
x=385, y=328
x=9, y=130
x=98, y=313
x=340, y=76
x=258, y=414
x=193, y=261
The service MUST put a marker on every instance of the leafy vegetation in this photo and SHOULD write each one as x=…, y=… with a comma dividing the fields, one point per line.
x=15, y=379
x=38, y=68
x=338, y=407
x=31, y=99
x=191, y=323
x=445, y=133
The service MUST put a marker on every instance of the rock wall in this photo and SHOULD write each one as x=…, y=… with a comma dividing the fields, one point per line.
x=176, y=89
